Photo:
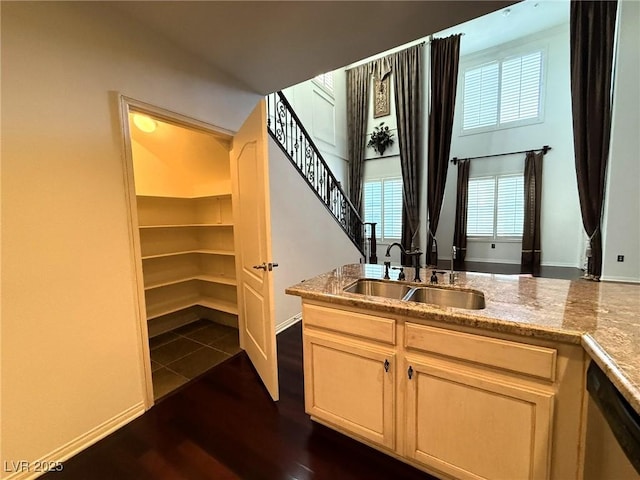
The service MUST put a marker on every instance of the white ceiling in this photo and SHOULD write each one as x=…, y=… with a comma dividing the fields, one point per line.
x=270, y=45
x=510, y=23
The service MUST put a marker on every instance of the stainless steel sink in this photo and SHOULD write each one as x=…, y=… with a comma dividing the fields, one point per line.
x=379, y=288
x=446, y=297
x=470, y=299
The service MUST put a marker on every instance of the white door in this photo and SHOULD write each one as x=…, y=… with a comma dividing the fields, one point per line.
x=252, y=233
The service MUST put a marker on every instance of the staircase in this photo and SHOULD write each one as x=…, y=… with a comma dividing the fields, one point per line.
x=287, y=131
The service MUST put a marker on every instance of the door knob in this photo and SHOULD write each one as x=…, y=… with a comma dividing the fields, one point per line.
x=266, y=266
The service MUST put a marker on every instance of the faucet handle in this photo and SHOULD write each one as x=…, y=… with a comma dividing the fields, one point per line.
x=401, y=275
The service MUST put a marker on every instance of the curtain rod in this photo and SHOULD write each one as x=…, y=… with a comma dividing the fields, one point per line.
x=428, y=40
x=544, y=151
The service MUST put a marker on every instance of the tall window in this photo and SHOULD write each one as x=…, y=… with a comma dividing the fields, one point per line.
x=496, y=207
x=383, y=205
x=325, y=80
x=501, y=92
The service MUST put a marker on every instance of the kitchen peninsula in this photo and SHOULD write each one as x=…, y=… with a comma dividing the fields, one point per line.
x=431, y=384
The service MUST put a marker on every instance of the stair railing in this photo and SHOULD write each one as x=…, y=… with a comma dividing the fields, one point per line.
x=293, y=139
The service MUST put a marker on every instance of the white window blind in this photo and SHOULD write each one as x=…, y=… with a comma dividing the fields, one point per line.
x=480, y=101
x=383, y=205
x=480, y=210
x=373, y=203
x=510, y=206
x=520, y=92
x=392, y=223
x=495, y=206
x=501, y=92
x=326, y=80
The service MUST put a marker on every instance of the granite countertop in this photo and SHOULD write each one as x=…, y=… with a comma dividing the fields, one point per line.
x=603, y=317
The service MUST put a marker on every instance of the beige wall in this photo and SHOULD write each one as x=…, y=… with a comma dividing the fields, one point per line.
x=305, y=238
x=179, y=162
x=71, y=353
x=621, y=225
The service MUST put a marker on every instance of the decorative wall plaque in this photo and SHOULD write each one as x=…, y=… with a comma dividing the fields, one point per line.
x=381, y=104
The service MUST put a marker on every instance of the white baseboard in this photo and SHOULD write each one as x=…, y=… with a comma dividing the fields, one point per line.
x=78, y=444
x=620, y=279
x=288, y=323
x=490, y=260
x=559, y=264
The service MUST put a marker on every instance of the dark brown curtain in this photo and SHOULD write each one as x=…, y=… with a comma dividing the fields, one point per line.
x=530, y=260
x=462, y=201
x=358, y=82
x=592, y=31
x=445, y=53
x=407, y=70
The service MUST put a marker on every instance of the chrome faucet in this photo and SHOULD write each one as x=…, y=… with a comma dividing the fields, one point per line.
x=452, y=274
x=416, y=258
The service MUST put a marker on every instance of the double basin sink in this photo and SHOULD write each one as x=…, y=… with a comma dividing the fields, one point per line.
x=445, y=297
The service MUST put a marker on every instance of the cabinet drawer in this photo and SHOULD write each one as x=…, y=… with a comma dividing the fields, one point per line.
x=357, y=324
x=517, y=357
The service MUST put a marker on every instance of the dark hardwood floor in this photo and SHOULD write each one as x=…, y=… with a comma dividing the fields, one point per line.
x=223, y=425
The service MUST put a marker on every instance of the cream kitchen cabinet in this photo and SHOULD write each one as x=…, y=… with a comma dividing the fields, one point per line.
x=350, y=373
x=474, y=423
x=454, y=403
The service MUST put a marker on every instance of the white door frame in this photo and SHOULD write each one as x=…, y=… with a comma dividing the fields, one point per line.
x=125, y=106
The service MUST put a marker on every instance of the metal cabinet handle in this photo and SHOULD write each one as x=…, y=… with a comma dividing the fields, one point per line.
x=410, y=372
x=386, y=365
x=261, y=267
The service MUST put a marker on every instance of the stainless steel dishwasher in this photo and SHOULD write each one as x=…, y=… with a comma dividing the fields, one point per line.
x=613, y=431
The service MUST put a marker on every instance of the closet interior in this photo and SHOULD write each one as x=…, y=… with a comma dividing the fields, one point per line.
x=185, y=225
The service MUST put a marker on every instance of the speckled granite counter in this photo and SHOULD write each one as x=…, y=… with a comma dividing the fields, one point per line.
x=603, y=317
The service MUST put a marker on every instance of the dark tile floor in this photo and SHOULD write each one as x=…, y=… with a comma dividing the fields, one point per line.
x=187, y=352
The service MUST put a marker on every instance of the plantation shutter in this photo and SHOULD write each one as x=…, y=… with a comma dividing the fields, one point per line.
x=373, y=202
x=480, y=98
x=510, y=207
x=520, y=90
x=392, y=196
x=480, y=209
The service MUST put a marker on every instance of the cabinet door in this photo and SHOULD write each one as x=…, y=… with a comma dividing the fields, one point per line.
x=471, y=426
x=351, y=386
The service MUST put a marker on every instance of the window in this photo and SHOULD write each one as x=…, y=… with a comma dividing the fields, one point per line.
x=499, y=93
x=495, y=206
x=383, y=205
x=325, y=80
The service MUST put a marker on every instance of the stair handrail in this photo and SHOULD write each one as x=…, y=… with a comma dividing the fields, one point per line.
x=338, y=203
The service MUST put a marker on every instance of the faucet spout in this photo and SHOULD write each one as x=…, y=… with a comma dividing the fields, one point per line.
x=415, y=254
x=394, y=244
x=452, y=274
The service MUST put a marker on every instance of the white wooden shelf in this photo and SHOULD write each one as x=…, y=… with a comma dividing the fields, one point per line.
x=222, y=280
x=165, y=308
x=188, y=225
x=188, y=253
x=220, y=196
x=184, y=252
x=220, y=305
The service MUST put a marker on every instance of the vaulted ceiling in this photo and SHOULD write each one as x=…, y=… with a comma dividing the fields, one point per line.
x=270, y=45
